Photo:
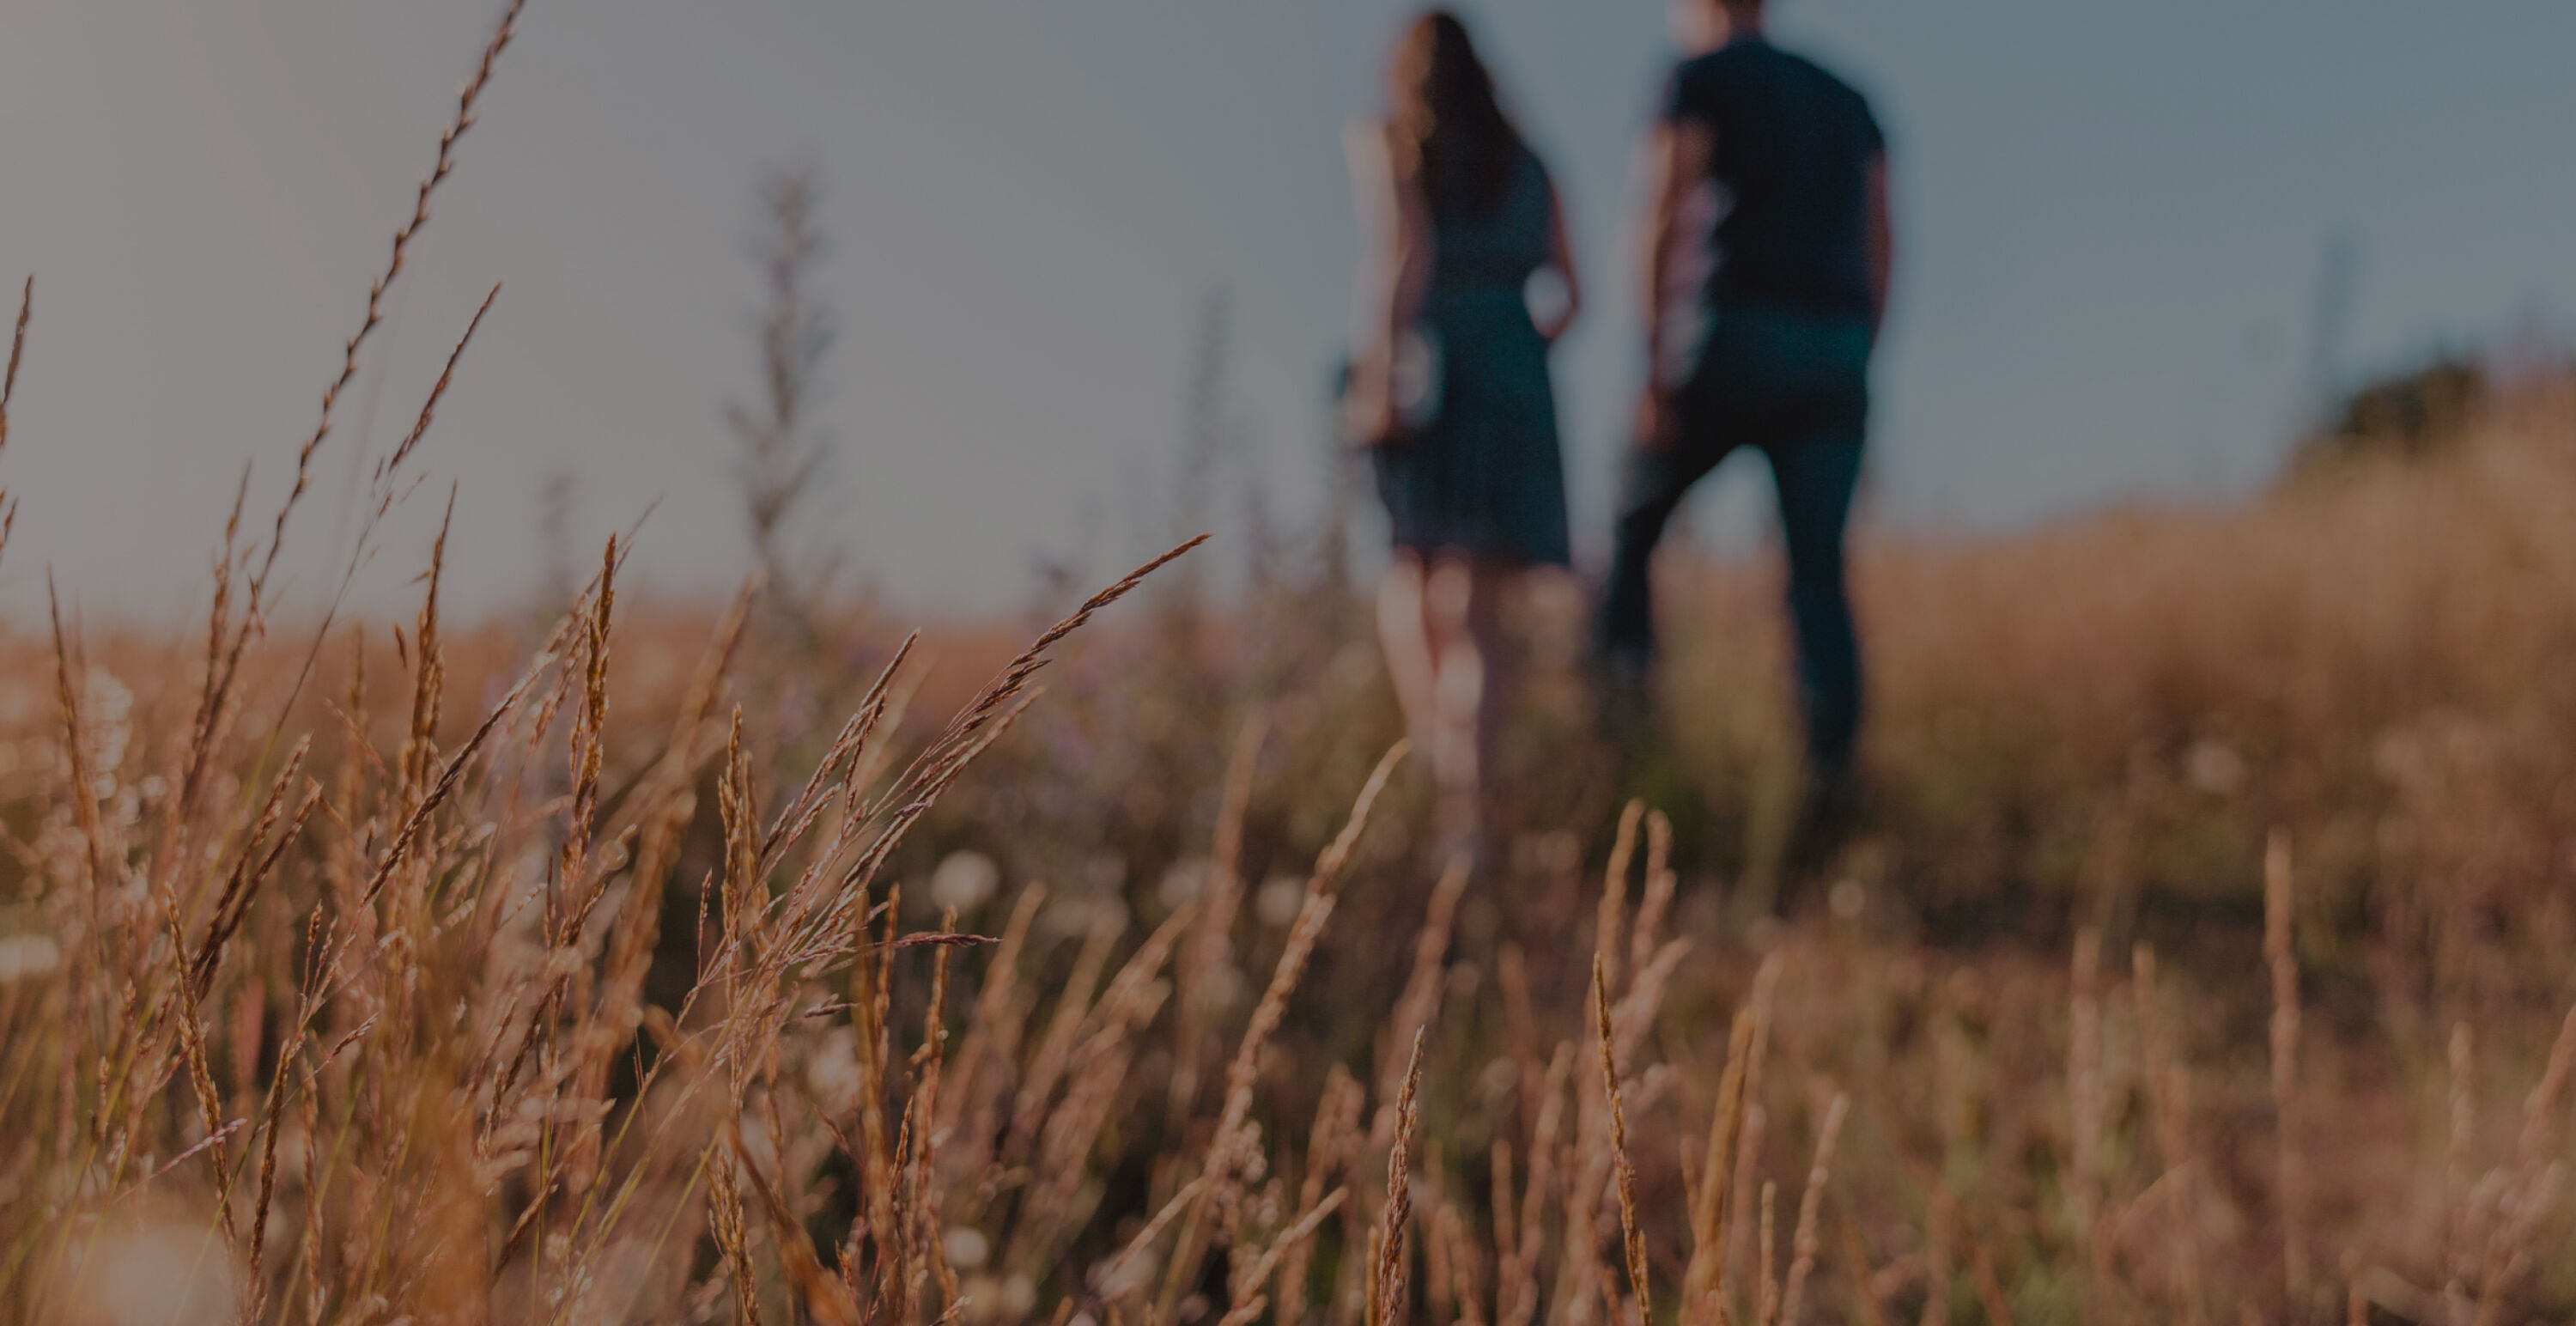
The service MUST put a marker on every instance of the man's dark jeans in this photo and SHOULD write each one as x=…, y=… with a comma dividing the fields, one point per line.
x=1794, y=385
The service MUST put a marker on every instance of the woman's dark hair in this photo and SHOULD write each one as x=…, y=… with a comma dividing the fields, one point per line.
x=1451, y=138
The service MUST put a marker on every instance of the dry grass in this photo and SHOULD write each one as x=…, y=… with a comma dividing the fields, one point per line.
x=322, y=1001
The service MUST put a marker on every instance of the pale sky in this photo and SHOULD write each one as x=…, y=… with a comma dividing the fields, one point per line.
x=2113, y=218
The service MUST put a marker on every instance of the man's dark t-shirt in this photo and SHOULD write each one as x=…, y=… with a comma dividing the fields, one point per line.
x=1793, y=146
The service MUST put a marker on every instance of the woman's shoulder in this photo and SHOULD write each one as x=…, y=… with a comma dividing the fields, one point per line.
x=1368, y=148
x=1372, y=133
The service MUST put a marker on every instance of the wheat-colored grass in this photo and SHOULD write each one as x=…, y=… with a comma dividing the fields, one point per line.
x=550, y=978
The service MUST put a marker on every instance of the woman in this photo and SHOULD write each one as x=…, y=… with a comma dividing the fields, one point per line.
x=1458, y=215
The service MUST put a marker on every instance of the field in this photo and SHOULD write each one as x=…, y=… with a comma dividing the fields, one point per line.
x=2202, y=958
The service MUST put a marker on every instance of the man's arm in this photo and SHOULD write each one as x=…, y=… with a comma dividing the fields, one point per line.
x=1881, y=239
x=1677, y=157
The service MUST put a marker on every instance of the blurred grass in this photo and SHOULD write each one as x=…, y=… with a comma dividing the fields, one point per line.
x=632, y=964
x=2080, y=736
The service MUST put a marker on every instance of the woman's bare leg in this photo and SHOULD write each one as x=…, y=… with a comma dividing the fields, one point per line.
x=1442, y=628
x=1403, y=629
x=1459, y=688
x=1492, y=581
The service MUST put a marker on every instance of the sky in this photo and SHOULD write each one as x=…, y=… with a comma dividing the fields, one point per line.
x=2113, y=221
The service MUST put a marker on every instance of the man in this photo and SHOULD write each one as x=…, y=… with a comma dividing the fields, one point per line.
x=1793, y=282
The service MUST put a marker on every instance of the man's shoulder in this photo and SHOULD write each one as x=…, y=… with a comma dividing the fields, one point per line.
x=1810, y=69
x=1731, y=59
x=1757, y=59
x=1855, y=104
x=1760, y=70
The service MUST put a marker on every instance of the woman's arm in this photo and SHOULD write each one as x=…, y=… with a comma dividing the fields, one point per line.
x=1561, y=257
x=1395, y=230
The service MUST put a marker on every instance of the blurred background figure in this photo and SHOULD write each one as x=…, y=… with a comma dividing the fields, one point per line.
x=1773, y=353
x=1450, y=391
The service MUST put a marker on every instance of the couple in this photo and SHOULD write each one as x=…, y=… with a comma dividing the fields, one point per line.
x=1769, y=196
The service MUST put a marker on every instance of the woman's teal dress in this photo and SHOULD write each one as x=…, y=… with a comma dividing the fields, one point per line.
x=1485, y=477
